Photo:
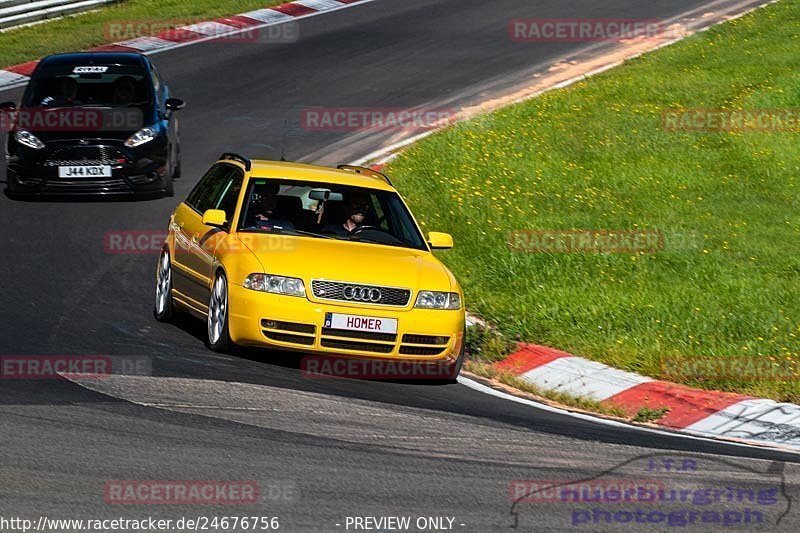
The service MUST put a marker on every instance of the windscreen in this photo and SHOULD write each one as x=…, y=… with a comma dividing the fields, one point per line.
x=325, y=210
x=75, y=85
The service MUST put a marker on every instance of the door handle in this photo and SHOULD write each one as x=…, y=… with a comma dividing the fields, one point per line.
x=195, y=238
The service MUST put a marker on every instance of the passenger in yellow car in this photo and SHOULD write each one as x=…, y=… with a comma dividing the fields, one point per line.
x=265, y=210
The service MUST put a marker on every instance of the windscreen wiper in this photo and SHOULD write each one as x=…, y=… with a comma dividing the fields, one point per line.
x=310, y=234
x=375, y=241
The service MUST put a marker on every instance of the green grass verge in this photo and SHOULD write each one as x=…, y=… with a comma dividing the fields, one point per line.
x=595, y=156
x=83, y=31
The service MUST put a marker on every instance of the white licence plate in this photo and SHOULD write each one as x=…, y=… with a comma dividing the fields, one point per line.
x=360, y=323
x=88, y=171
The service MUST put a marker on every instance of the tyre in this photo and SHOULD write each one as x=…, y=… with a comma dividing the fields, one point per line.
x=218, y=337
x=164, y=309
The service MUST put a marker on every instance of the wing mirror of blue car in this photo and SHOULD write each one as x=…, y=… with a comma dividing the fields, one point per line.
x=174, y=104
x=215, y=218
x=440, y=241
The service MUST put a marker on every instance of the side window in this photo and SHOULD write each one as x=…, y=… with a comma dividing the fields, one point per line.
x=230, y=194
x=207, y=192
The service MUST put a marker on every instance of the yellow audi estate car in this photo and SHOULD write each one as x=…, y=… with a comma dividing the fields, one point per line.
x=309, y=258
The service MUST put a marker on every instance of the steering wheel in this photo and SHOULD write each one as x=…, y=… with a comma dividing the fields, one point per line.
x=356, y=232
x=360, y=229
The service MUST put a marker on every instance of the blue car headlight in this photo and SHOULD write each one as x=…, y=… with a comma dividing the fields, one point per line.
x=144, y=135
x=26, y=138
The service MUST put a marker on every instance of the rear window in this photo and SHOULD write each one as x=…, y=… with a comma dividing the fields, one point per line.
x=72, y=85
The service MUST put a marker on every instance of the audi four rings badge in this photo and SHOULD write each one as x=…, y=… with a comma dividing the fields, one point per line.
x=362, y=294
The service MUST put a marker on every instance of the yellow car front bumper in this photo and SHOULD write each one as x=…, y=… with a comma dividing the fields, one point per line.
x=293, y=323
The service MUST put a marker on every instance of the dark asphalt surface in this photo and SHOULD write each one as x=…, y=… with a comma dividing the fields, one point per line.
x=345, y=448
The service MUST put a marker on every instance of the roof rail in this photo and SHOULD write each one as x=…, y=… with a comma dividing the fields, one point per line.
x=366, y=172
x=230, y=156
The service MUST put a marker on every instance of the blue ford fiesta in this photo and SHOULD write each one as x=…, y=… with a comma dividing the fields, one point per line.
x=95, y=123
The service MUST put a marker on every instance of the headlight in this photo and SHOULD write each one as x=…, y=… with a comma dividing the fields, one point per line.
x=144, y=135
x=438, y=300
x=28, y=139
x=275, y=284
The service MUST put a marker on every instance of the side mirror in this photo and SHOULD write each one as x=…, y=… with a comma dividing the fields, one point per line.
x=8, y=106
x=440, y=241
x=174, y=104
x=215, y=218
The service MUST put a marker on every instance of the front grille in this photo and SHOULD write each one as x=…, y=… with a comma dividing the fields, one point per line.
x=386, y=337
x=357, y=346
x=426, y=339
x=142, y=179
x=76, y=186
x=84, y=155
x=78, y=162
x=420, y=350
x=334, y=290
x=300, y=332
x=286, y=337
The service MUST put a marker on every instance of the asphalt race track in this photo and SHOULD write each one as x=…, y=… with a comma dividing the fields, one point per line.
x=332, y=448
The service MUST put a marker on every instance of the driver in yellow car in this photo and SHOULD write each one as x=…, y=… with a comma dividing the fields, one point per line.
x=356, y=211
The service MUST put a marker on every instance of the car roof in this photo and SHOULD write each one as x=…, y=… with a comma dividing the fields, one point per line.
x=304, y=172
x=89, y=58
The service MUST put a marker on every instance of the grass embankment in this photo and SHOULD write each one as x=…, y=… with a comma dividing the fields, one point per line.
x=596, y=156
x=83, y=31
